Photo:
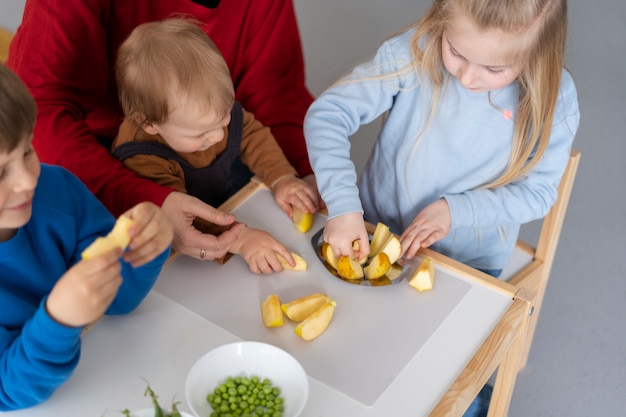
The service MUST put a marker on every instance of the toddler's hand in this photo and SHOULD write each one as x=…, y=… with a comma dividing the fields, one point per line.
x=258, y=248
x=430, y=225
x=86, y=290
x=151, y=233
x=341, y=231
x=292, y=191
x=313, y=183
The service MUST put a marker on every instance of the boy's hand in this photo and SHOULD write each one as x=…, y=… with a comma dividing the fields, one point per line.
x=86, y=290
x=292, y=191
x=150, y=234
x=430, y=225
x=341, y=231
x=258, y=248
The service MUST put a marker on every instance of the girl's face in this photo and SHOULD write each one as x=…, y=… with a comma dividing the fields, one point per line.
x=190, y=128
x=481, y=60
x=19, y=172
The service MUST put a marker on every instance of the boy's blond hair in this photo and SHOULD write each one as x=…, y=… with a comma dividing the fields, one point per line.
x=166, y=59
x=18, y=110
x=542, y=27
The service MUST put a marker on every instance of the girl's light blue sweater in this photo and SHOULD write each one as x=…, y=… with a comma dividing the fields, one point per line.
x=467, y=145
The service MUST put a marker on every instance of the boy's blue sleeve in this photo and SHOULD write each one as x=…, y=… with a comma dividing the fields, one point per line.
x=43, y=353
x=137, y=283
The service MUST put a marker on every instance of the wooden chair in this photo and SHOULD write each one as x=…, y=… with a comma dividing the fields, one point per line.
x=531, y=265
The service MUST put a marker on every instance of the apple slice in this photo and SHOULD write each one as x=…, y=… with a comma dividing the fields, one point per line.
x=117, y=237
x=271, y=312
x=300, y=263
x=329, y=254
x=349, y=268
x=381, y=234
x=394, y=272
x=301, y=308
x=378, y=266
x=303, y=221
x=392, y=248
x=315, y=324
x=423, y=278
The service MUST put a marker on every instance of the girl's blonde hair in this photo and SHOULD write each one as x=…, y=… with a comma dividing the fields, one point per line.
x=18, y=110
x=166, y=58
x=542, y=24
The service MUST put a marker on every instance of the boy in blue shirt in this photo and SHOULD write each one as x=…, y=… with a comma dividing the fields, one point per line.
x=47, y=293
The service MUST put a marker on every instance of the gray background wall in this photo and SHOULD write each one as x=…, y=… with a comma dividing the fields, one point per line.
x=577, y=366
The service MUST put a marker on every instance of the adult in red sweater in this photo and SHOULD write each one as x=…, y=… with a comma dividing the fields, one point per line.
x=65, y=52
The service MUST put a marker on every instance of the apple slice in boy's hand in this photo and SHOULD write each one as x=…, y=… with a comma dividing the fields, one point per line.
x=117, y=237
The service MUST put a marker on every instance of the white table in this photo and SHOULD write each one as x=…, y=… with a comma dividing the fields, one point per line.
x=389, y=351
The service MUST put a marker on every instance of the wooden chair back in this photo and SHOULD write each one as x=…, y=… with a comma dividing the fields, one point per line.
x=530, y=267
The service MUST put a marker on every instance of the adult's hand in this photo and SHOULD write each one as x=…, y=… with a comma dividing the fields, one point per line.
x=182, y=209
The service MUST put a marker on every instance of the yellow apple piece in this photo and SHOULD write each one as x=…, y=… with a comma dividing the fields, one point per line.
x=271, y=312
x=299, y=309
x=394, y=272
x=423, y=278
x=349, y=268
x=303, y=221
x=315, y=324
x=378, y=266
x=300, y=263
x=117, y=237
x=379, y=238
x=392, y=248
x=329, y=254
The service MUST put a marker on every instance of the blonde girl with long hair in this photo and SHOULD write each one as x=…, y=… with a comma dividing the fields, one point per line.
x=480, y=116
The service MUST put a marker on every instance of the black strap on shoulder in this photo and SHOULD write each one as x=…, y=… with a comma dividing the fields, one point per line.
x=128, y=149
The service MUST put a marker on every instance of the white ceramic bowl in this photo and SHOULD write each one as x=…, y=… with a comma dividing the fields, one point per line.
x=247, y=359
x=149, y=412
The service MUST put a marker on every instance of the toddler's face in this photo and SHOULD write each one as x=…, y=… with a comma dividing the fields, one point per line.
x=191, y=128
x=19, y=172
x=479, y=59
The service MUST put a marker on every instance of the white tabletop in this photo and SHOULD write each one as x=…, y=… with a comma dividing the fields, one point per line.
x=389, y=351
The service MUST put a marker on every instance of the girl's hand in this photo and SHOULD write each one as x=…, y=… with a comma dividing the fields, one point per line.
x=258, y=248
x=150, y=234
x=430, y=225
x=341, y=231
x=290, y=190
x=86, y=290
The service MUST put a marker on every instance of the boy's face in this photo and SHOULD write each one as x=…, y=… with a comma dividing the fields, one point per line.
x=190, y=128
x=19, y=172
